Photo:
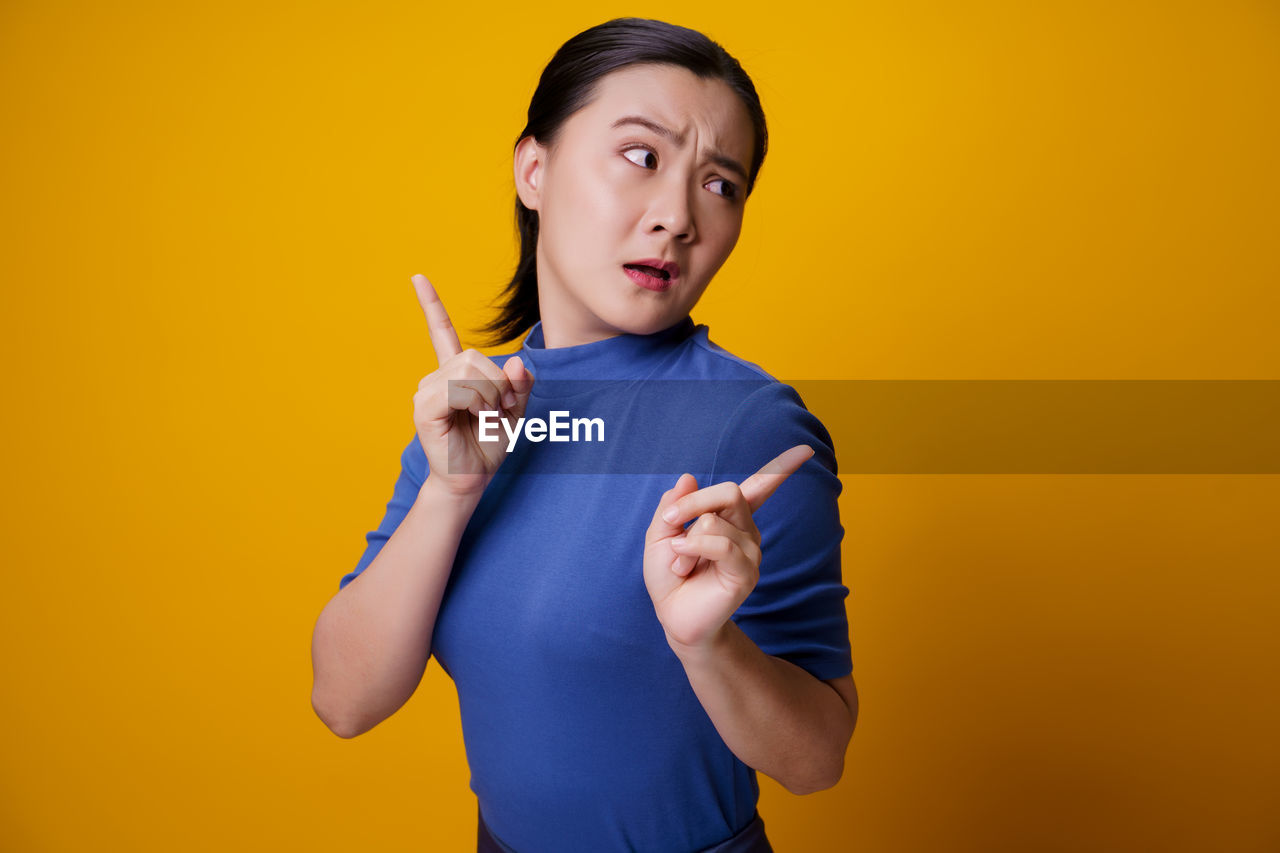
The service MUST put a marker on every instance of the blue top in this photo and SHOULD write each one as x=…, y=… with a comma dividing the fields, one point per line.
x=581, y=729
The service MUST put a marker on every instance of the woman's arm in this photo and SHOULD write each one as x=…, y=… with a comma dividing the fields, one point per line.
x=372, y=641
x=772, y=714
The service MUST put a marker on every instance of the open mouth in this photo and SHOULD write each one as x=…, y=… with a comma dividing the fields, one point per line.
x=647, y=270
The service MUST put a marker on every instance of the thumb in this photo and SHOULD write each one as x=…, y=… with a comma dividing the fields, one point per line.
x=521, y=383
x=687, y=484
x=660, y=528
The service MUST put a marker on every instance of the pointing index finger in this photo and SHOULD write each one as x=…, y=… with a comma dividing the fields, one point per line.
x=759, y=486
x=444, y=340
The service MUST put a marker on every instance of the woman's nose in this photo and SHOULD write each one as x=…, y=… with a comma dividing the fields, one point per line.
x=671, y=211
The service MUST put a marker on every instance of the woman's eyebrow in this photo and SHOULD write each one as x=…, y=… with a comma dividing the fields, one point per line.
x=716, y=157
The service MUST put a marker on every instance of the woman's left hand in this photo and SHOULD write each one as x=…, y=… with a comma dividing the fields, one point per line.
x=699, y=577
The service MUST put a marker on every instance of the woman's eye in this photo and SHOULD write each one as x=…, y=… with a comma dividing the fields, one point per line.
x=647, y=158
x=727, y=189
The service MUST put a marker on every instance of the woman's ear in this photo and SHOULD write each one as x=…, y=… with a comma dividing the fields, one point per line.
x=530, y=158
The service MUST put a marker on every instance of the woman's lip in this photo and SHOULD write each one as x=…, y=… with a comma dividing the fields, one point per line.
x=671, y=268
x=650, y=282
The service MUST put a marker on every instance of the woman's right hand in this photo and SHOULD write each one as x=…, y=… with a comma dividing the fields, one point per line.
x=446, y=409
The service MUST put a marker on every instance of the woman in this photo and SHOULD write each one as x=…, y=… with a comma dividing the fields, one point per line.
x=608, y=699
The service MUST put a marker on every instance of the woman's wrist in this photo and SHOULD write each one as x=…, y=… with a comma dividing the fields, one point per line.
x=707, y=652
x=444, y=501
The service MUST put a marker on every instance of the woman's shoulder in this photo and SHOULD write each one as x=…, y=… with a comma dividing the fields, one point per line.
x=758, y=396
x=764, y=415
x=720, y=361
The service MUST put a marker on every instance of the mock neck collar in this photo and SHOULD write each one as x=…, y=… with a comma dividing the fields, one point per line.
x=623, y=356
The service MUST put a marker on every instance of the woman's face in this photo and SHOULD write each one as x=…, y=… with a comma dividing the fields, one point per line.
x=653, y=169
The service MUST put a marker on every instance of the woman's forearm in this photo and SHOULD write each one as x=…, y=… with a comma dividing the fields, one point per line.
x=773, y=715
x=372, y=641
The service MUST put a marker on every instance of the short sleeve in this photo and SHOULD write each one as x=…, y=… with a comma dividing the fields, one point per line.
x=796, y=611
x=413, y=473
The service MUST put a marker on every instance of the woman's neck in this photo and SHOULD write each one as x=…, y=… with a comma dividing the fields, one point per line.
x=555, y=338
x=561, y=327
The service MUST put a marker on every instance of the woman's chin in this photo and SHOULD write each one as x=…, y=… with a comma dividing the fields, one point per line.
x=638, y=324
x=647, y=316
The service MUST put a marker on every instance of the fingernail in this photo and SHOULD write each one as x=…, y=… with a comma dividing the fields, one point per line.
x=679, y=541
x=672, y=513
x=508, y=399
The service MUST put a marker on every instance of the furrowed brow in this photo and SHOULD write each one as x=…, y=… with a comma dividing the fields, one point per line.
x=667, y=132
x=716, y=157
x=727, y=163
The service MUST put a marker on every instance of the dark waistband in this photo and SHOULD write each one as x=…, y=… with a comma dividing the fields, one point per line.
x=750, y=839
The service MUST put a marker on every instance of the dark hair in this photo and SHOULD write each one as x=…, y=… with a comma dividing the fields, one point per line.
x=567, y=84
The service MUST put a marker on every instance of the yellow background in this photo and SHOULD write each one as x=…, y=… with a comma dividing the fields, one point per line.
x=210, y=342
